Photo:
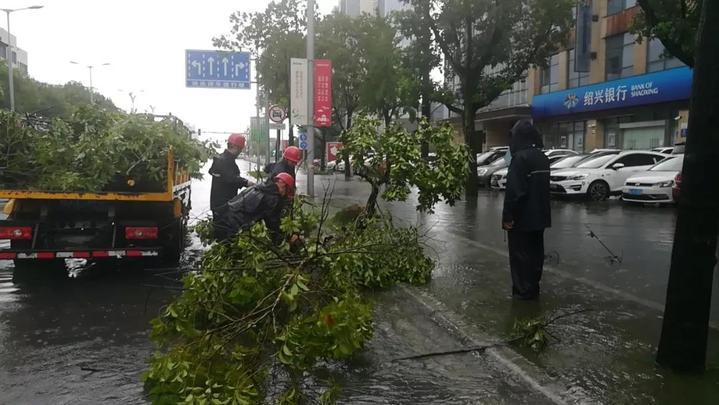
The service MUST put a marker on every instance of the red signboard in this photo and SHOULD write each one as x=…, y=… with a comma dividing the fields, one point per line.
x=333, y=149
x=323, y=93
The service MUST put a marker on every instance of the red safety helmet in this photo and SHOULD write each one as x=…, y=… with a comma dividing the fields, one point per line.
x=292, y=154
x=237, y=140
x=288, y=180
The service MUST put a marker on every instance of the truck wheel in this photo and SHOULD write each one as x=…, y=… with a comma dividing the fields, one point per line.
x=175, y=245
x=598, y=191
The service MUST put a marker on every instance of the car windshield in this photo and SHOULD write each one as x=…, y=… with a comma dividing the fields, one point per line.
x=595, y=163
x=672, y=164
x=481, y=159
x=566, y=162
x=499, y=162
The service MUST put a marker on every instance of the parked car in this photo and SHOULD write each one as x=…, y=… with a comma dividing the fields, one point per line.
x=491, y=156
x=566, y=162
x=676, y=190
x=667, y=150
x=603, y=175
x=655, y=185
x=679, y=148
x=499, y=178
x=485, y=172
x=559, y=152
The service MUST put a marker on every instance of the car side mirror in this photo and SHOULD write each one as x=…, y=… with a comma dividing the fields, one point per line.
x=617, y=166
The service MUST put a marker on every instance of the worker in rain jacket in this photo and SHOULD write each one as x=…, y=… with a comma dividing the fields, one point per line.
x=526, y=211
x=226, y=178
x=290, y=158
x=261, y=202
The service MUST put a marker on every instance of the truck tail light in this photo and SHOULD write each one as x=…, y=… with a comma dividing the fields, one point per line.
x=140, y=232
x=16, y=232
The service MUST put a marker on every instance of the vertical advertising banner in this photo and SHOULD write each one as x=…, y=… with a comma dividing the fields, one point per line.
x=299, y=113
x=583, y=46
x=323, y=93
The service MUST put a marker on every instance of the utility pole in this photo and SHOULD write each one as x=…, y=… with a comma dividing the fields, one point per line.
x=310, y=93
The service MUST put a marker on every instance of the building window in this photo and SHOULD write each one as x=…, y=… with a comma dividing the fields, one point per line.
x=617, y=6
x=550, y=75
x=620, y=56
x=565, y=135
x=575, y=79
x=658, y=59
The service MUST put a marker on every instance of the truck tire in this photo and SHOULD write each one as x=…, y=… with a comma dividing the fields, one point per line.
x=175, y=245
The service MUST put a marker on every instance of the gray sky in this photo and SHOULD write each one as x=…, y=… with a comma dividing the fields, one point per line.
x=145, y=42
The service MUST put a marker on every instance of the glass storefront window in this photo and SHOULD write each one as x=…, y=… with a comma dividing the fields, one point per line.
x=565, y=135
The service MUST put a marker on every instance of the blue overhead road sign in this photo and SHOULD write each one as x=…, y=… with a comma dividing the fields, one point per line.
x=217, y=69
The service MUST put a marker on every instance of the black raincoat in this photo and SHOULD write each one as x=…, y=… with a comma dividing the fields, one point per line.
x=283, y=166
x=226, y=180
x=527, y=209
x=261, y=202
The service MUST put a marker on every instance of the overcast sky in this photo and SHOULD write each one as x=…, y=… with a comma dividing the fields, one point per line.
x=145, y=42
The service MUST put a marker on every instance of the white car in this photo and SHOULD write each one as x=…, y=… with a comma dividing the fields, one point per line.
x=559, y=152
x=654, y=185
x=600, y=176
x=499, y=178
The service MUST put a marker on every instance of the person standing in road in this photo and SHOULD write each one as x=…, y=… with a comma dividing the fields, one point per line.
x=290, y=158
x=526, y=211
x=226, y=179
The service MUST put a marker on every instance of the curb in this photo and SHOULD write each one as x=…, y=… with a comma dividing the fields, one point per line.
x=513, y=362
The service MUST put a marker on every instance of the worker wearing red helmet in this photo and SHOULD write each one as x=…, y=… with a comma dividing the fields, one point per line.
x=226, y=178
x=259, y=202
x=290, y=158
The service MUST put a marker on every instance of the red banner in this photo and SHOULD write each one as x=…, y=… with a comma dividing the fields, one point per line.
x=333, y=148
x=323, y=93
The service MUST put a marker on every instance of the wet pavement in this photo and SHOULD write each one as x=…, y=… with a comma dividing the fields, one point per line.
x=85, y=339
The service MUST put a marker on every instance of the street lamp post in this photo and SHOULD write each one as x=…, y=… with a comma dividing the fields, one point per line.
x=9, y=54
x=89, y=68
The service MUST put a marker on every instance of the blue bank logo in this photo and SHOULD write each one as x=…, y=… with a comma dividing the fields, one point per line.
x=571, y=101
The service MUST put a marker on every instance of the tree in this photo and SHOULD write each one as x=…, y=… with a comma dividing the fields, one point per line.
x=685, y=327
x=489, y=45
x=674, y=22
x=383, y=81
x=337, y=40
x=420, y=56
x=34, y=97
x=392, y=160
x=273, y=37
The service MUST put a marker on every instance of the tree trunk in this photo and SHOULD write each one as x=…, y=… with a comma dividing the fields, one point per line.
x=372, y=200
x=291, y=137
x=426, y=110
x=348, y=167
x=323, y=157
x=470, y=133
x=683, y=341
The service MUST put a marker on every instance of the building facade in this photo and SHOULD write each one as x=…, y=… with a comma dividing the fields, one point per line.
x=355, y=8
x=387, y=7
x=19, y=56
x=628, y=95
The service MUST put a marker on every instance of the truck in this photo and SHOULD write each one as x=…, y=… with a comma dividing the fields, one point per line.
x=44, y=228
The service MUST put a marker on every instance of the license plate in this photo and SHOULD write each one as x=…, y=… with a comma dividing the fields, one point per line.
x=635, y=191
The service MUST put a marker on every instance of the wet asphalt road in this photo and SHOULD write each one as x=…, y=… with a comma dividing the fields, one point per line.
x=85, y=340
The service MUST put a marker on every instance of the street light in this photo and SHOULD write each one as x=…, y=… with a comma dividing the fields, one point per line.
x=9, y=54
x=89, y=68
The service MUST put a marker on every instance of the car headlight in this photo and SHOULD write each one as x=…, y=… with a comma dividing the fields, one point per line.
x=482, y=172
x=577, y=177
x=669, y=183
